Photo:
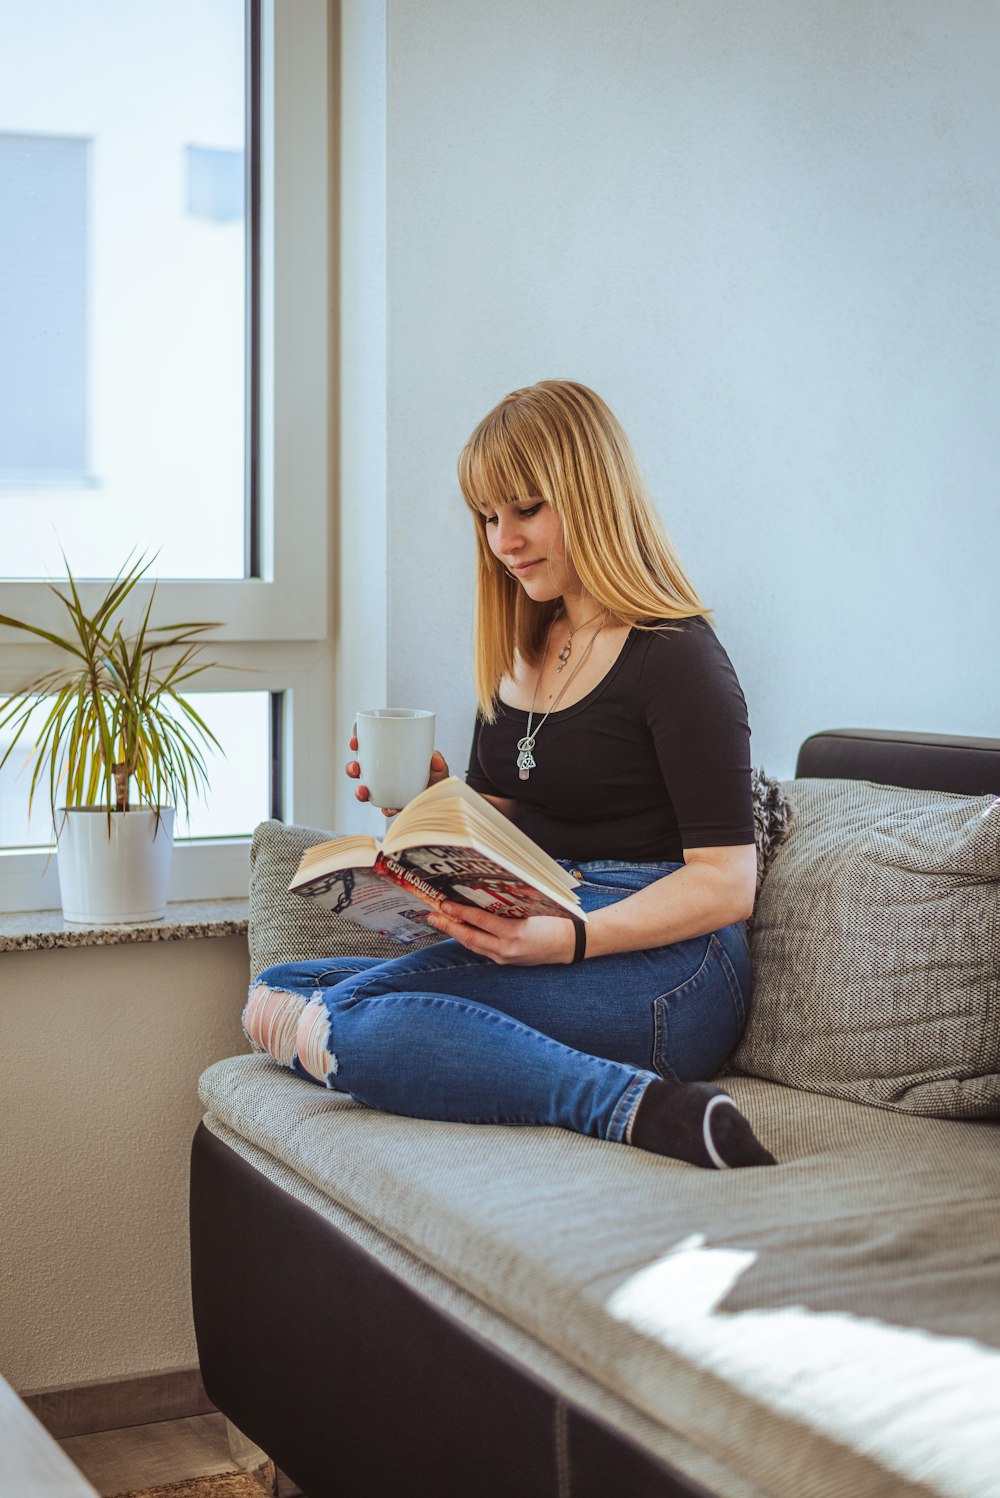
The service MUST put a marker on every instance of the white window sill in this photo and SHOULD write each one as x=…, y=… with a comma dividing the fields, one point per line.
x=211, y=870
x=40, y=930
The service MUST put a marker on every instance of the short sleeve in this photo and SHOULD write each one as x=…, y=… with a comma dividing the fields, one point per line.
x=697, y=715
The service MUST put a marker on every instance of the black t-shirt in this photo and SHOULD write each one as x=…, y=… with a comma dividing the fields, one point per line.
x=654, y=760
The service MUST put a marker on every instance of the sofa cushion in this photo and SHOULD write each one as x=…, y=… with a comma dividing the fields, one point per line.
x=831, y=1326
x=876, y=951
x=286, y=928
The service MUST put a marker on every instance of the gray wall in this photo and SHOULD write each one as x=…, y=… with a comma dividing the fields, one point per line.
x=767, y=234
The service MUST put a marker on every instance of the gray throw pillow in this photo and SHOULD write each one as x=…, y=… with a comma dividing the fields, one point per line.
x=285, y=927
x=876, y=951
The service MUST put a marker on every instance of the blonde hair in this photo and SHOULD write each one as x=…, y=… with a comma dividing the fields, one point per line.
x=559, y=442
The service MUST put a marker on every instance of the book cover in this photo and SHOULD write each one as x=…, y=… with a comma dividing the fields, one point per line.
x=369, y=899
x=469, y=878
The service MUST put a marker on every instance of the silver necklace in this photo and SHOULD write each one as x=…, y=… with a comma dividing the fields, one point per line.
x=525, y=746
x=565, y=652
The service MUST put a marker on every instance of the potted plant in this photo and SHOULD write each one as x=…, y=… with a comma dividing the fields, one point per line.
x=119, y=747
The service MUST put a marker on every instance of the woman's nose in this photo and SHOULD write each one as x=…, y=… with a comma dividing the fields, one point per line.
x=509, y=535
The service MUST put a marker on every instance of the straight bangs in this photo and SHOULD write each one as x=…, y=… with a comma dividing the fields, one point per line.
x=494, y=468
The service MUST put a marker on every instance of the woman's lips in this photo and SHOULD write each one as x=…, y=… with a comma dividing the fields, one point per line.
x=521, y=567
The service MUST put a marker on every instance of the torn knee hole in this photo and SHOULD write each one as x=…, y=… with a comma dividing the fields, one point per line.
x=312, y=1041
x=270, y=1019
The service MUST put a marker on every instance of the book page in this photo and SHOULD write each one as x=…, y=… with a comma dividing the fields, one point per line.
x=451, y=809
x=356, y=851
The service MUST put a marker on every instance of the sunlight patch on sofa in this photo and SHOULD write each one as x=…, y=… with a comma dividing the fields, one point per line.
x=922, y=1406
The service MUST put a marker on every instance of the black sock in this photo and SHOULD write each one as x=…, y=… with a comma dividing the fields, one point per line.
x=696, y=1122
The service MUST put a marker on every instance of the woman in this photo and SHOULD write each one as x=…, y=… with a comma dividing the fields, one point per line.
x=612, y=729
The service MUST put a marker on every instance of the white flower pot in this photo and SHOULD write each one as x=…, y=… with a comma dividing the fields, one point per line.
x=114, y=880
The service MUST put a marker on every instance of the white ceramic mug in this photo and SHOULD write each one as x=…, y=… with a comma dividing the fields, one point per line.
x=395, y=745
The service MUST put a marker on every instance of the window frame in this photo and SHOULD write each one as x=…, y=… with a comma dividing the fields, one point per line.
x=276, y=627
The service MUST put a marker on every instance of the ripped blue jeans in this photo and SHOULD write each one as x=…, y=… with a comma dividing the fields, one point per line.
x=446, y=1034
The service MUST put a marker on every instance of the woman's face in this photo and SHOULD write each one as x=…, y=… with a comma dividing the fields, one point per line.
x=528, y=539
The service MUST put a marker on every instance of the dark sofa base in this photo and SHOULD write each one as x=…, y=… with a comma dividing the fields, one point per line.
x=353, y=1383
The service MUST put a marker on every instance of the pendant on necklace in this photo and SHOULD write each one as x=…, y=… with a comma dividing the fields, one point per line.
x=564, y=654
x=525, y=759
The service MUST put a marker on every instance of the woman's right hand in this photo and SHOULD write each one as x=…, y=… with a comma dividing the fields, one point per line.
x=438, y=771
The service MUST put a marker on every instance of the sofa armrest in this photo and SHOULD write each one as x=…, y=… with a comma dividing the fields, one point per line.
x=918, y=761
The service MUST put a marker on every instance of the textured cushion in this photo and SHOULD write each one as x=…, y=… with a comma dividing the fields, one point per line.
x=286, y=928
x=876, y=951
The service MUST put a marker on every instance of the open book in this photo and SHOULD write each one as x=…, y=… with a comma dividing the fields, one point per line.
x=447, y=844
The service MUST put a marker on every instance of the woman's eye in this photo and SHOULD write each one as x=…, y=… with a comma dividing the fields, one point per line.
x=525, y=512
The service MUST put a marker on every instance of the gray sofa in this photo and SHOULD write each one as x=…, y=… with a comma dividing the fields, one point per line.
x=390, y=1306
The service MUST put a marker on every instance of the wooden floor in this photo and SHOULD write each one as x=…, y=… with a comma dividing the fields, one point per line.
x=144, y=1456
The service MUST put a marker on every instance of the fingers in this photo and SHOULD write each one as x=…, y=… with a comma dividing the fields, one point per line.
x=524, y=941
x=439, y=765
x=454, y=919
x=482, y=933
x=439, y=768
x=473, y=938
x=354, y=771
x=362, y=793
x=473, y=915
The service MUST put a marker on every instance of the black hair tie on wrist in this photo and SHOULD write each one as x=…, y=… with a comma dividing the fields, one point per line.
x=580, y=937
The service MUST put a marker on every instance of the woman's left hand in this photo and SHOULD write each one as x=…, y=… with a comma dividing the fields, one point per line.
x=525, y=942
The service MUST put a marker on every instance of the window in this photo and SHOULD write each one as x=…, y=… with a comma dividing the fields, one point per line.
x=199, y=422
x=122, y=281
x=238, y=771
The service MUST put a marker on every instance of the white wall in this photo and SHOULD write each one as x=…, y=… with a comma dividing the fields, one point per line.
x=767, y=234
x=105, y=1046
